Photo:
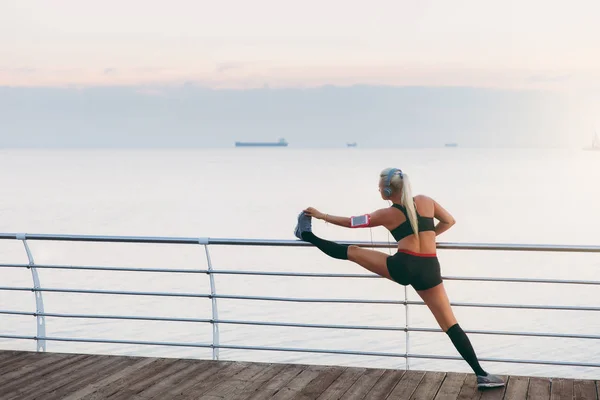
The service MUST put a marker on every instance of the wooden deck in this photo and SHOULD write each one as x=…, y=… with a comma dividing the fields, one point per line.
x=30, y=375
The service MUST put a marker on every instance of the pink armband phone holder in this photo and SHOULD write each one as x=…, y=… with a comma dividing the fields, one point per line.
x=360, y=221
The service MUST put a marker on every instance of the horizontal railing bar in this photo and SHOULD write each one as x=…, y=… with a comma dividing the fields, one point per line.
x=291, y=243
x=428, y=356
x=403, y=329
x=101, y=238
x=12, y=312
x=508, y=360
x=117, y=317
x=224, y=296
x=193, y=271
x=302, y=300
x=308, y=300
x=101, y=268
x=518, y=306
x=14, y=265
x=19, y=337
x=220, y=321
x=318, y=351
x=520, y=280
x=298, y=325
x=296, y=274
x=233, y=347
x=300, y=350
x=454, y=278
x=441, y=245
x=519, y=247
x=304, y=325
x=90, y=291
x=419, y=303
x=111, y=341
x=509, y=333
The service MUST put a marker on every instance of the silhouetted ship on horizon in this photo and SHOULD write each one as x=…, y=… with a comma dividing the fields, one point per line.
x=280, y=143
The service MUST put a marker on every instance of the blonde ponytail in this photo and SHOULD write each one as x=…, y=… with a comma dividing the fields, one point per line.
x=409, y=203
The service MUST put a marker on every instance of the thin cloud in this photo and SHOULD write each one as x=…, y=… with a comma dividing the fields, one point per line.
x=21, y=70
x=550, y=78
x=227, y=66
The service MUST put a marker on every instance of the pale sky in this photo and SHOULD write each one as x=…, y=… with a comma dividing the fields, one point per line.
x=250, y=43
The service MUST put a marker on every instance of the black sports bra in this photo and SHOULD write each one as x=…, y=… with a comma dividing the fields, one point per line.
x=405, y=229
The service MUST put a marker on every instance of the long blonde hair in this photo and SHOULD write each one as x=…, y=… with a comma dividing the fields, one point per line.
x=400, y=182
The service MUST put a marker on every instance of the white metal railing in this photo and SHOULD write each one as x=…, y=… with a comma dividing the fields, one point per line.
x=40, y=314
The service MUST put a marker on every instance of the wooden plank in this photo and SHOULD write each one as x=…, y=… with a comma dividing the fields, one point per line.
x=451, y=387
x=271, y=387
x=516, y=389
x=94, y=385
x=190, y=379
x=299, y=382
x=190, y=372
x=407, y=385
x=469, y=390
x=259, y=380
x=495, y=393
x=318, y=385
x=7, y=363
x=363, y=385
x=228, y=388
x=6, y=354
x=561, y=389
x=166, y=372
x=81, y=374
x=25, y=366
x=202, y=386
x=539, y=389
x=57, y=377
x=386, y=384
x=118, y=385
x=35, y=374
x=429, y=386
x=30, y=358
x=341, y=384
x=29, y=375
x=584, y=390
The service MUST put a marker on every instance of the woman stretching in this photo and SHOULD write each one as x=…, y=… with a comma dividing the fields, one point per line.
x=411, y=222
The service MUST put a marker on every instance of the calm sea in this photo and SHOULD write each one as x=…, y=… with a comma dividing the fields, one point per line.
x=497, y=196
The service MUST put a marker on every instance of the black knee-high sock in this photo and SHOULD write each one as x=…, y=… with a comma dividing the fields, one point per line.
x=335, y=250
x=463, y=345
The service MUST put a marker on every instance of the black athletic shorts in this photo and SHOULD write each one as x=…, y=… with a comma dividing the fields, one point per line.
x=421, y=271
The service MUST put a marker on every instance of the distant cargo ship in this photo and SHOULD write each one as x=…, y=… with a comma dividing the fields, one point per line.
x=353, y=144
x=451, y=144
x=280, y=143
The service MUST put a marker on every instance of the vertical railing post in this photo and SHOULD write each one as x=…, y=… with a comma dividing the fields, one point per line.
x=40, y=322
x=213, y=299
x=406, y=326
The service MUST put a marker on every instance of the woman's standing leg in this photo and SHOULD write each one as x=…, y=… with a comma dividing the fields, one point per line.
x=439, y=304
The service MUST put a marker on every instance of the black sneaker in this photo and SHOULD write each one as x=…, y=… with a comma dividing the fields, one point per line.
x=489, y=381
